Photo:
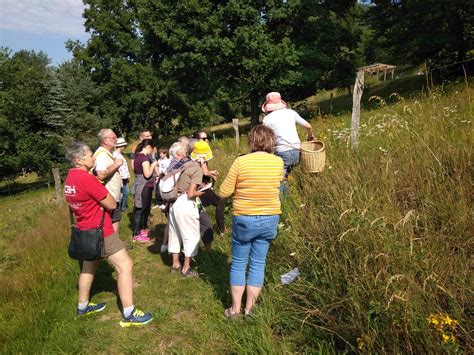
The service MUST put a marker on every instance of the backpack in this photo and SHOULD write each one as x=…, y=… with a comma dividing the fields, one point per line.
x=168, y=185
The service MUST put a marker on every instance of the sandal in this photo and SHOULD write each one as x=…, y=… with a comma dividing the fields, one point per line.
x=190, y=273
x=229, y=313
x=174, y=270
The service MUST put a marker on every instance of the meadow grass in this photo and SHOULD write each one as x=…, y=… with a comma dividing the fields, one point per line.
x=383, y=239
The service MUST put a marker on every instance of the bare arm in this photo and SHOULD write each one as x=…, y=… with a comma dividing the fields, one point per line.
x=309, y=130
x=192, y=192
x=108, y=202
x=148, y=168
x=104, y=174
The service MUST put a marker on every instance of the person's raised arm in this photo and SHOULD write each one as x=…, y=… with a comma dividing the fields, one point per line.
x=104, y=174
x=149, y=168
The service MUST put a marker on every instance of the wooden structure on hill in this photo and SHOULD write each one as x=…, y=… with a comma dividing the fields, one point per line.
x=378, y=68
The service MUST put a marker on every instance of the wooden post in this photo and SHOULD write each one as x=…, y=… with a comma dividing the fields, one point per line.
x=356, y=96
x=57, y=185
x=235, y=124
x=330, y=103
x=384, y=74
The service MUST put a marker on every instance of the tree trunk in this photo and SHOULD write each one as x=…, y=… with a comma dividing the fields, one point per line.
x=254, y=108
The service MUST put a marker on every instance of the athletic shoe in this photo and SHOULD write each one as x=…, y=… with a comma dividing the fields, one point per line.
x=141, y=238
x=164, y=248
x=145, y=232
x=137, y=318
x=91, y=308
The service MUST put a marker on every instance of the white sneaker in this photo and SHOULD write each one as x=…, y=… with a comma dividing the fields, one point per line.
x=164, y=248
x=162, y=207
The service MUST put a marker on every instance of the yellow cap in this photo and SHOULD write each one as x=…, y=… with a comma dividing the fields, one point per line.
x=201, y=151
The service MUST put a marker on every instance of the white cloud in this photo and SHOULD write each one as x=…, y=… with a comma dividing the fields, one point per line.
x=62, y=17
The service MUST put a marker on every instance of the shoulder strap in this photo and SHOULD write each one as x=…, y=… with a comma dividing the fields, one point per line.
x=73, y=223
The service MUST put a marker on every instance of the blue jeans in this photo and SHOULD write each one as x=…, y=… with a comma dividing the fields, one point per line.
x=251, y=236
x=125, y=193
x=291, y=158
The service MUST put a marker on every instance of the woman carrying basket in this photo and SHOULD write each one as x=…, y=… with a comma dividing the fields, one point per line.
x=283, y=122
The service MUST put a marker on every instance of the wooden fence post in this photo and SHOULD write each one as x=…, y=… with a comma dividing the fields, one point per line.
x=57, y=185
x=356, y=96
x=235, y=124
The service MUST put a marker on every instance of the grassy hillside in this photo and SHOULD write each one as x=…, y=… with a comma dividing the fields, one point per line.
x=383, y=239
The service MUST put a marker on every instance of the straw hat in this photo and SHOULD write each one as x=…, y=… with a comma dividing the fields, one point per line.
x=121, y=142
x=273, y=102
x=201, y=151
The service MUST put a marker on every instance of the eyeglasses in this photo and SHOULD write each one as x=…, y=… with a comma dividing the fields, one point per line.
x=203, y=138
x=114, y=138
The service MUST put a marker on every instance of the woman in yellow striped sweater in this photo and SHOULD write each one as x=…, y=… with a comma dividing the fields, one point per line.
x=254, y=180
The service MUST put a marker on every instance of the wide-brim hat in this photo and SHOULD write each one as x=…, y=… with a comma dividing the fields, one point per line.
x=201, y=151
x=273, y=102
x=121, y=142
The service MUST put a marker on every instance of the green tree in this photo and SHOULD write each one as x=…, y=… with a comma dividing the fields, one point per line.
x=413, y=31
x=25, y=122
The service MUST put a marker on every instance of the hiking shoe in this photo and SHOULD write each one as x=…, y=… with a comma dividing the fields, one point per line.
x=190, y=273
x=91, y=308
x=137, y=318
x=141, y=238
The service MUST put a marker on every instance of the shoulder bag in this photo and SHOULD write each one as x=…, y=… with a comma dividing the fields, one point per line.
x=86, y=244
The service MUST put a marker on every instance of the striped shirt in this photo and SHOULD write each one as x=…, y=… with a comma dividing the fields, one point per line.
x=254, y=179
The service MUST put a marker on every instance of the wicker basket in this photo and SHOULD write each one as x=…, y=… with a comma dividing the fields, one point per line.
x=313, y=156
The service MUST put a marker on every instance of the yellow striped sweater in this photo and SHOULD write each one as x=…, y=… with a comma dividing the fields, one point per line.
x=254, y=179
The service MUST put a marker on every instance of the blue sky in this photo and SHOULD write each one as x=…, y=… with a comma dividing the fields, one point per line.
x=42, y=25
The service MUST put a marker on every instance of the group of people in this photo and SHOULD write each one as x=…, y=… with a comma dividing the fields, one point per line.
x=98, y=181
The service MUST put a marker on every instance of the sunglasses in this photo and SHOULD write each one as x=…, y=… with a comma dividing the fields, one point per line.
x=203, y=138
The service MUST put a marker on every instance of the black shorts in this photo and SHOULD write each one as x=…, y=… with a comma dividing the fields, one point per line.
x=116, y=214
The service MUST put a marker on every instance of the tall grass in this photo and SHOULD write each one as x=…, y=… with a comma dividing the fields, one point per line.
x=384, y=237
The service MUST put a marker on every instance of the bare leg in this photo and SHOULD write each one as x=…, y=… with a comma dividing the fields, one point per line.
x=116, y=226
x=86, y=278
x=176, y=263
x=237, y=293
x=252, y=295
x=187, y=264
x=123, y=265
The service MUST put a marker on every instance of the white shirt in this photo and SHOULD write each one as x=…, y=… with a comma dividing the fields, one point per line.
x=123, y=169
x=163, y=165
x=283, y=122
x=104, y=159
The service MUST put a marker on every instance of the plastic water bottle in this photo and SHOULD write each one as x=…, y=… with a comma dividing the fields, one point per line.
x=289, y=277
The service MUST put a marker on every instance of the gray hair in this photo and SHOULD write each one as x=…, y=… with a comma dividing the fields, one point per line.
x=191, y=143
x=76, y=150
x=103, y=133
x=176, y=148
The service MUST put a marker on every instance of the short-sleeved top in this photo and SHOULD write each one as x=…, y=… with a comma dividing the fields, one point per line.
x=123, y=169
x=104, y=159
x=163, y=165
x=83, y=192
x=283, y=122
x=191, y=175
x=254, y=179
x=138, y=167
